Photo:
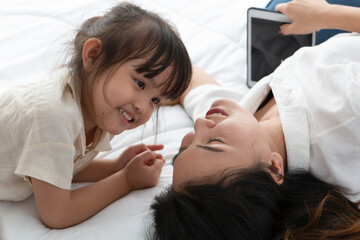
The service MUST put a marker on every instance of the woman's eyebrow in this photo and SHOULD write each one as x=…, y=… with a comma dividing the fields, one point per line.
x=209, y=148
x=205, y=147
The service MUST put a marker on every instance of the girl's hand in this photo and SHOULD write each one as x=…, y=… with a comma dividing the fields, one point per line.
x=307, y=16
x=143, y=171
x=133, y=151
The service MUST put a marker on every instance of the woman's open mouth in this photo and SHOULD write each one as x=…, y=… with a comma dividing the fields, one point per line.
x=216, y=112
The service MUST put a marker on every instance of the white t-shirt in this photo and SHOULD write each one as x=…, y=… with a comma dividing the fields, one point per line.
x=317, y=92
x=42, y=136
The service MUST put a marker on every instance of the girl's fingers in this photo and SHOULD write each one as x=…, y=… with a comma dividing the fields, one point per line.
x=155, y=147
x=138, y=148
x=142, y=147
x=159, y=156
x=148, y=157
x=150, y=162
x=159, y=163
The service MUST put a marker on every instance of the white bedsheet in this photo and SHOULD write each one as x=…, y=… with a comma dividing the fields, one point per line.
x=32, y=36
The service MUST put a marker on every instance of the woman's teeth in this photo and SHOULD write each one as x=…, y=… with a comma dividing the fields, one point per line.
x=127, y=116
x=216, y=114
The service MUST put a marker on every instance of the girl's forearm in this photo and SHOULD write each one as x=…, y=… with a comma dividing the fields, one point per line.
x=97, y=170
x=61, y=208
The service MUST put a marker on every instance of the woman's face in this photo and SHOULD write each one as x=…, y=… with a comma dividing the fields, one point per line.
x=228, y=137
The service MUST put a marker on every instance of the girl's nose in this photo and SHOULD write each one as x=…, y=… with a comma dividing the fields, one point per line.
x=140, y=106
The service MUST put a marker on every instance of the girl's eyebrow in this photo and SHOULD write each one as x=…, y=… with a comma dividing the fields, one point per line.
x=151, y=80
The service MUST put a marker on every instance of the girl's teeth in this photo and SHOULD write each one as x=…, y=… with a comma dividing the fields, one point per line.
x=127, y=116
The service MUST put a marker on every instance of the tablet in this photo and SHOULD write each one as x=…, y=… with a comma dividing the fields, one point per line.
x=266, y=47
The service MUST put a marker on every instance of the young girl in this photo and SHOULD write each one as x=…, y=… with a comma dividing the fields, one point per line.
x=123, y=65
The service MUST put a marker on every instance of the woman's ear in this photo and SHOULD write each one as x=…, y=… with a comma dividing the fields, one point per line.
x=277, y=168
x=90, y=51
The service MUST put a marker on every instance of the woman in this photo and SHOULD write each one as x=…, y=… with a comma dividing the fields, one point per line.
x=306, y=115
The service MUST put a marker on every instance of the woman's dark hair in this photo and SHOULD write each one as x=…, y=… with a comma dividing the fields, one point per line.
x=129, y=32
x=249, y=204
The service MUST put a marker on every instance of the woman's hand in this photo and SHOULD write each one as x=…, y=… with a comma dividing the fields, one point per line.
x=143, y=170
x=307, y=16
x=133, y=151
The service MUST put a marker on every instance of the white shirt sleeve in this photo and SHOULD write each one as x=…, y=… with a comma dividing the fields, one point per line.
x=198, y=101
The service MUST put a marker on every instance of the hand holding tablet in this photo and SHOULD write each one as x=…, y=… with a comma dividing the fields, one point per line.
x=266, y=46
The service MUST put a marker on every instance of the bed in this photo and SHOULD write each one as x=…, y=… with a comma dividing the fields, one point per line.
x=32, y=40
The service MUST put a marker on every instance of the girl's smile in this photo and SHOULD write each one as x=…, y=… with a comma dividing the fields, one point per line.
x=126, y=116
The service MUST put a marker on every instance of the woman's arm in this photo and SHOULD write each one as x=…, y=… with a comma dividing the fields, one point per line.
x=312, y=15
x=199, y=77
x=59, y=208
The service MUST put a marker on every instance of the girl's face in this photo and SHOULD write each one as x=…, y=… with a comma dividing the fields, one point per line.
x=128, y=99
x=228, y=137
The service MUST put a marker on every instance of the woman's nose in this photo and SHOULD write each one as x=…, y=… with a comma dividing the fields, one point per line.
x=205, y=123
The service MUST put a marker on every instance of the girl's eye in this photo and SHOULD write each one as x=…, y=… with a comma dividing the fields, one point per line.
x=155, y=100
x=141, y=84
x=215, y=139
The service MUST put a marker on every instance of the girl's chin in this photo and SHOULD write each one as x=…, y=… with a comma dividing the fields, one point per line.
x=118, y=130
x=115, y=131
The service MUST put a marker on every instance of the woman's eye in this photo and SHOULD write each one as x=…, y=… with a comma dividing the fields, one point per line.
x=141, y=84
x=215, y=140
x=155, y=100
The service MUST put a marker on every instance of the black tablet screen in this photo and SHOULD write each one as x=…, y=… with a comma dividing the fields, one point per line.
x=269, y=48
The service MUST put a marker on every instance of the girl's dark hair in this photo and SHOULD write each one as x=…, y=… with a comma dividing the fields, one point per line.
x=249, y=204
x=129, y=32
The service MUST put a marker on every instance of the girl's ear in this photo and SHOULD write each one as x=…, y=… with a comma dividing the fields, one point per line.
x=277, y=165
x=90, y=51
